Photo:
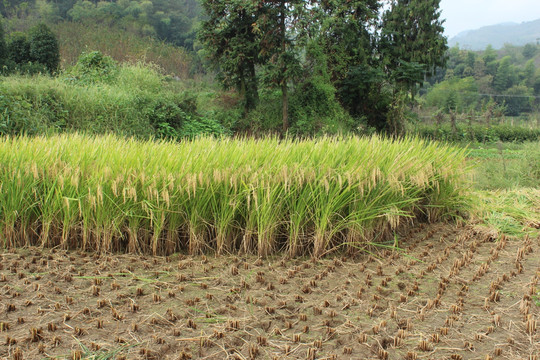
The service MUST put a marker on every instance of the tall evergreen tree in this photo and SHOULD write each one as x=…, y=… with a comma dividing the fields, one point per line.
x=349, y=41
x=233, y=44
x=412, y=41
x=283, y=26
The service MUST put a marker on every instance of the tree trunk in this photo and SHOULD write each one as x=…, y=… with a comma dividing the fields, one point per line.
x=284, y=92
x=453, y=122
x=252, y=88
x=285, y=102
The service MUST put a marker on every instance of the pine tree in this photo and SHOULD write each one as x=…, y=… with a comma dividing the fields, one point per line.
x=232, y=43
x=412, y=41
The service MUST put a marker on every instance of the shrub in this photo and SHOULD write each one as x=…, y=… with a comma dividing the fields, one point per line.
x=480, y=133
x=314, y=108
x=93, y=67
x=18, y=48
x=99, y=97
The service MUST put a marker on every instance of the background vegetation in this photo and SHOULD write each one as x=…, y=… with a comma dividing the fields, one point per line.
x=99, y=96
x=321, y=73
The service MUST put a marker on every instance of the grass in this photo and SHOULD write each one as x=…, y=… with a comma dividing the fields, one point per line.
x=506, y=165
x=245, y=195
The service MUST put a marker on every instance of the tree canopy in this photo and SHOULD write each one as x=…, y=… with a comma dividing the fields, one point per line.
x=349, y=46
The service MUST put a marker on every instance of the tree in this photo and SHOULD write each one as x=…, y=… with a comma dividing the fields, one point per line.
x=536, y=84
x=44, y=47
x=283, y=34
x=412, y=41
x=348, y=40
x=503, y=77
x=233, y=45
x=490, y=57
x=3, y=47
x=529, y=51
x=528, y=73
x=519, y=99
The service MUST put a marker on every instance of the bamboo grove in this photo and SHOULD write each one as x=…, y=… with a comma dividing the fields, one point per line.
x=208, y=195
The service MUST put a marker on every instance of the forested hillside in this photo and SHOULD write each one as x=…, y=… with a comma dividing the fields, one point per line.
x=505, y=81
x=170, y=20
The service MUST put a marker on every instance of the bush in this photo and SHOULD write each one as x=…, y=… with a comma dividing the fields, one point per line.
x=93, y=67
x=314, y=109
x=202, y=126
x=480, y=133
x=18, y=48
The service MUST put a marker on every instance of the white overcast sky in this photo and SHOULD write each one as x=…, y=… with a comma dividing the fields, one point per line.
x=463, y=15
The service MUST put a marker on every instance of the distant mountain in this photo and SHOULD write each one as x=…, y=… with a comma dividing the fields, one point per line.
x=498, y=35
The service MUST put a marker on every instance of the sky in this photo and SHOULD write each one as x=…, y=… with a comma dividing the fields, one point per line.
x=464, y=15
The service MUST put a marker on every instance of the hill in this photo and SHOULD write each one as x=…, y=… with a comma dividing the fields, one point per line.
x=498, y=35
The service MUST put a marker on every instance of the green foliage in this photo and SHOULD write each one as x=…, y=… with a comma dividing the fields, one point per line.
x=454, y=94
x=99, y=97
x=321, y=50
x=173, y=21
x=364, y=94
x=3, y=48
x=518, y=100
x=314, y=109
x=233, y=45
x=202, y=126
x=412, y=40
x=529, y=51
x=505, y=78
x=18, y=48
x=122, y=46
x=506, y=165
x=44, y=47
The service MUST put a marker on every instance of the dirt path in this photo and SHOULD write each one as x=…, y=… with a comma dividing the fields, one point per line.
x=454, y=293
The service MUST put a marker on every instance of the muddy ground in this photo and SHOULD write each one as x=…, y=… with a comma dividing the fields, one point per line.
x=449, y=293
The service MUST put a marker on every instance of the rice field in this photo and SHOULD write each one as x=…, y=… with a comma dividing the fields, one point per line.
x=235, y=196
x=452, y=292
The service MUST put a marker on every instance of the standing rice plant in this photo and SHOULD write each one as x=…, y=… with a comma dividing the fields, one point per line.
x=252, y=195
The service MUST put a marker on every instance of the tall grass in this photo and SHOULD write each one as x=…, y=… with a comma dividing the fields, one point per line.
x=224, y=195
